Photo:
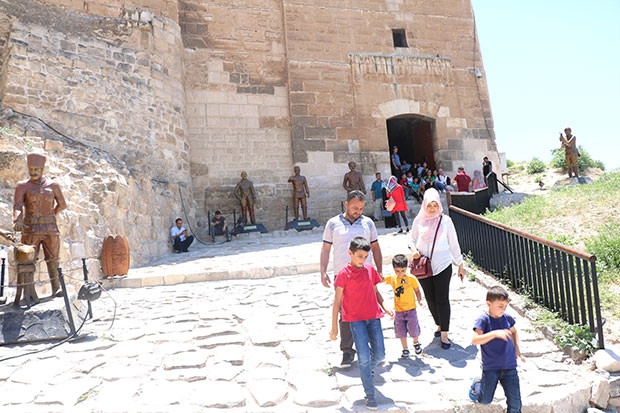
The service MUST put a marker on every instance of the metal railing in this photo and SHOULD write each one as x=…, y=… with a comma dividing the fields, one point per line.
x=557, y=277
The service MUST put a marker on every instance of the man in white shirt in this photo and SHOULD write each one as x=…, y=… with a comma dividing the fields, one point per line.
x=339, y=231
x=181, y=240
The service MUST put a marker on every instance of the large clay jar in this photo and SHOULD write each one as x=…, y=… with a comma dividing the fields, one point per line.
x=115, y=255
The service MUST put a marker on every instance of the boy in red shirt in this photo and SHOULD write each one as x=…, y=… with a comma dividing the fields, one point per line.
x=362, y=307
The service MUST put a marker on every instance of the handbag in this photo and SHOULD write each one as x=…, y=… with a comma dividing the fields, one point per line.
x=390, y=204
x=421, y=267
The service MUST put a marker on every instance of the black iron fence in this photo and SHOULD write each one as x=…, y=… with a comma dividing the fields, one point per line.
x=557, y=277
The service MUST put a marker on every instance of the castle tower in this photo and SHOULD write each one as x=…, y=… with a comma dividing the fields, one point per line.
x=273, y=84
x=190, y=93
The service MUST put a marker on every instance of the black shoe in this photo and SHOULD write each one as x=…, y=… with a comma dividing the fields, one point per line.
x=437, y=333
x=347, y=359
x=227, y=239
x=447, y=345
x=405, y=354
x=371, y=404
x=213, y=239
x=418, y=348
x=400, y=231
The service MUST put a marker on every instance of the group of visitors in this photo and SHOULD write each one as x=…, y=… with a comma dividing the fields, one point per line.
x=358, y=305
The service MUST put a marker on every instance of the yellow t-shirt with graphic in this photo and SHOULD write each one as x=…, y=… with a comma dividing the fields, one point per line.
x=404, y=291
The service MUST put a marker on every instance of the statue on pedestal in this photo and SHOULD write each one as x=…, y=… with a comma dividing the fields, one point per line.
x=300, y=193
x=244, y=192
x=37, y=202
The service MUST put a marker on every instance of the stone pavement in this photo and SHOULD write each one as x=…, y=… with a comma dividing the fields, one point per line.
x=244, y=327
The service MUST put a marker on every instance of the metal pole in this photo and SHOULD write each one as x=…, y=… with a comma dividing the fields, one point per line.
x=285, y=222
x=2, y=278
x=85, y=271
x=66, y=297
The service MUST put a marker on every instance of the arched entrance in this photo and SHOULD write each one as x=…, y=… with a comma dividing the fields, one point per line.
x=414, y=137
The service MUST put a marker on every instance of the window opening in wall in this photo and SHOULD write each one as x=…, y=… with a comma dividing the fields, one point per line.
x=400, y=38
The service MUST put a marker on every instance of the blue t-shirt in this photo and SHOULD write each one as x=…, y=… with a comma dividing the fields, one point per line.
x=396, y=159
x=497, y=354
x=376, y=189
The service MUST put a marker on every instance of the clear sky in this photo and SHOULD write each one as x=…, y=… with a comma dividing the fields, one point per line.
x=552, y=64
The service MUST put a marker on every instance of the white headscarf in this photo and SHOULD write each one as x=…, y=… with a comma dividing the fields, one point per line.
x=427, y=221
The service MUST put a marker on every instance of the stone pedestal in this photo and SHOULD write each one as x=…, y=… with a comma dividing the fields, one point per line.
x=45, y=321
x=303, y=224
x=243, y=229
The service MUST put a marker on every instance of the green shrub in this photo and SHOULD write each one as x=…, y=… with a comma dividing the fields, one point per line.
x=585, y=160
x=509, y=163
x=606, y=246
x=577, y=336
x=535, y=166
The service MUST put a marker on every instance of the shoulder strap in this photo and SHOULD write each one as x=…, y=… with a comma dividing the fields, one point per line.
x=435, y=239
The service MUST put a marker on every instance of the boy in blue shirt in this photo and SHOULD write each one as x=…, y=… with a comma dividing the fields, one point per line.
x=496, y=334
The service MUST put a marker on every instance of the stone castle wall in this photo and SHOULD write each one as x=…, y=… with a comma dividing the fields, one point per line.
x=115, y=84
x=191, y=93
x=110, y=89
x=314, y=88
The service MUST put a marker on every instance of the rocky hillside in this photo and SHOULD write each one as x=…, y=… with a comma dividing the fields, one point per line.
x=101, y=192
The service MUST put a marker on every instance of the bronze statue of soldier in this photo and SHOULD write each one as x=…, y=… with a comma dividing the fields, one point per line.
x=37, y=202
x=244, y=192
x=300, y=193
x=353, y=180
x=571, y=152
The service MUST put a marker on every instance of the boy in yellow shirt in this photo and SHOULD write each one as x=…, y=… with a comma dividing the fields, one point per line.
x=406, y=291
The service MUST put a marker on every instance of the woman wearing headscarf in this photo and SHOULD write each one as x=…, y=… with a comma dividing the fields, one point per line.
x=478, y=181
x=397, y=193
x=447, y=251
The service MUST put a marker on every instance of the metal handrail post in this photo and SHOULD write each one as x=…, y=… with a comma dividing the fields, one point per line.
x=66, y=297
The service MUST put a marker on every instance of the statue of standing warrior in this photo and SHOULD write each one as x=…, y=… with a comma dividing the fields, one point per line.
x=300, y=193
x=37, y=202
x=244, y=192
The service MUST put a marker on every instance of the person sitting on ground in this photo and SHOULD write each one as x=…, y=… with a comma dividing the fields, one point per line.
x=410, y=178
x=219, y=226
x=433, y=177
x=437, y=184
x=417, y=189
x=405, y=167
x=421, y=169
x=405, y=184
x=406, y=293
x=444, y=180
x=181, y=240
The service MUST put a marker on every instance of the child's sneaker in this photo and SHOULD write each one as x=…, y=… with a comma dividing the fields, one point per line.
x=405, y=354
x=371, y=404
x=474, y=390
x=418, y=348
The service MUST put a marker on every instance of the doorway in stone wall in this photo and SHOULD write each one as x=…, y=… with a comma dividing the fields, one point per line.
x=414, y=137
